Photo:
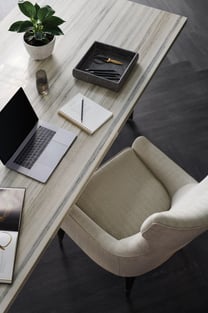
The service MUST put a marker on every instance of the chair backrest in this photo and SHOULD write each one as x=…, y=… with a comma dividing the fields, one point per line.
x=186, y=219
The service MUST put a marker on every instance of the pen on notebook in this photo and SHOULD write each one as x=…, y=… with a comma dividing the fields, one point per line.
x=82, y=110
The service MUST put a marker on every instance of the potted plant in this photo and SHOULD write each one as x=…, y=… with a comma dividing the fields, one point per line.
x=40, y=29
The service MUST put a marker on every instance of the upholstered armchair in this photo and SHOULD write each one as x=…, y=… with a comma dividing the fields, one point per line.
x=137, y=210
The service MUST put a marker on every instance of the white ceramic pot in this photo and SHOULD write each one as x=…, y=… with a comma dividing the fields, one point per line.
x=40, y=52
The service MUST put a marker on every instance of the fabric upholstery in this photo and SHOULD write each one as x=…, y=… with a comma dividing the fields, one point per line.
x=121, y=210
x=190, y=211
x=170, y=174
x=106, y=221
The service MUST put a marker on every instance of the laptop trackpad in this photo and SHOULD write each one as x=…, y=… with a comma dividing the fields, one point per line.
x=52, y=154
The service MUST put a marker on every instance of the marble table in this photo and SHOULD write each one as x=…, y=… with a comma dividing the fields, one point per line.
x=121, y=23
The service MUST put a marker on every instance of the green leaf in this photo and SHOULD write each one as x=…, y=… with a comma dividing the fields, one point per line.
x=53, y=30
x=25, y=26
x=21, y=26
x=45, y=12
x=37, y=8
x=50, y=11
x=53, y=21
x=15, y=26
x=27, y=8
x=50, y=25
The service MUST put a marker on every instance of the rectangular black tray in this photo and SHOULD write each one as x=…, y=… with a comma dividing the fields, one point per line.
x=90, y=61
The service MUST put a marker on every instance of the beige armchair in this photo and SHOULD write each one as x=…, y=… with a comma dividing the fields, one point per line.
x=136, y=211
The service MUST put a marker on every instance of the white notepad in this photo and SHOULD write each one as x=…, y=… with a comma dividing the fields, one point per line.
x=94, y=115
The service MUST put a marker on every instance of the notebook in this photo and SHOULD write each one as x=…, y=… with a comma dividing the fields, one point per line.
x=85, y=113
x=11, y=204
x=28, y=145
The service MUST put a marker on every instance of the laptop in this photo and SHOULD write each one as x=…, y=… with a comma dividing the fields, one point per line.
x=28, y=145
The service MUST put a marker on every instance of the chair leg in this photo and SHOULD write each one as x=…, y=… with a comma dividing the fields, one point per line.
x=61, y=234
x=129, y=281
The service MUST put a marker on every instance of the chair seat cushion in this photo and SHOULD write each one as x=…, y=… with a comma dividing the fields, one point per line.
x=122, y=194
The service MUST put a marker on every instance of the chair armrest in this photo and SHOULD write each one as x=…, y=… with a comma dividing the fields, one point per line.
x=172, y=176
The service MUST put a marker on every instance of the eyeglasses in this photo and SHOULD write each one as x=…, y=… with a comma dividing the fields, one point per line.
x=5, y=240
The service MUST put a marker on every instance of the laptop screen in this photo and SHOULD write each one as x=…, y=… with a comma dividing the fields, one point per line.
x=17, y=119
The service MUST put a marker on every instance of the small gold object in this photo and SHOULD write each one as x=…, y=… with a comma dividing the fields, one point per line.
x=109, y=60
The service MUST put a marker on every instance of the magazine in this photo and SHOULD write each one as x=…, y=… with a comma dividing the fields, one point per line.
x=11, y=204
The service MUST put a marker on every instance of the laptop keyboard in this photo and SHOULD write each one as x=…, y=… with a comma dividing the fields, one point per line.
x=35, y=146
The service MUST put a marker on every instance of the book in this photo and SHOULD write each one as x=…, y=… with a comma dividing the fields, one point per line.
x=85, y=113
x=11, y=204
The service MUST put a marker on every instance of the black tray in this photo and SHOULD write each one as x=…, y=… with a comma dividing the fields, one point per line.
x=90, y=61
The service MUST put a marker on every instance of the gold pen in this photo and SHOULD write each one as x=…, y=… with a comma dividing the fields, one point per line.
x=108, y=60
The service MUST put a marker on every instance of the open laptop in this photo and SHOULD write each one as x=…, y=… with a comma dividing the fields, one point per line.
x=28, y=145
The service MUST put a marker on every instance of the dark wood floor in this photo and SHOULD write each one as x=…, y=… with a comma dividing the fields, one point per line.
x=172, y=113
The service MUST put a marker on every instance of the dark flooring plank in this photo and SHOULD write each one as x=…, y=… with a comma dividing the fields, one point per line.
x=192, y=44
x=71, y=282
